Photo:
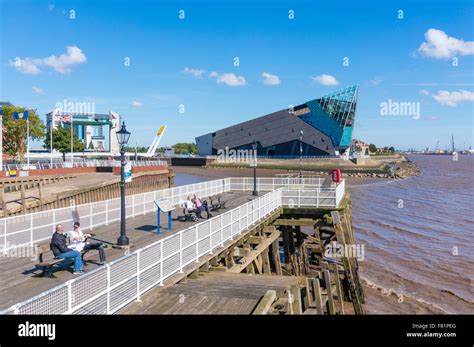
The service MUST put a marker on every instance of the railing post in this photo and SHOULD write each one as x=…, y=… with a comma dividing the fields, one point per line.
x=69, y=297
x=108, y=288
x=138, y=276
x=317, y=197
x=161, y=264
x=222, y=231
x=180, y=252
x=210, y=237
x=197, y=245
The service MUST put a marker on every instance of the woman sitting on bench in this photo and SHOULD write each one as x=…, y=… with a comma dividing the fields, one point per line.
x=201, y=207
x=78, y=242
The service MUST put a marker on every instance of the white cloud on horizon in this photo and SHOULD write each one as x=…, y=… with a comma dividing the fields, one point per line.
x=38, y=90
x=326, y=80
x=452, y=99
x=439, y=45
x=197, y=73
x=270, y=79
x=61, y=64
x=137, y=104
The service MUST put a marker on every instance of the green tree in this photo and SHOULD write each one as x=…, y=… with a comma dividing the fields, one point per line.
x=14, y=130
x=185, y=148
x=372, y=148
x=62, y=141
x=391, y=149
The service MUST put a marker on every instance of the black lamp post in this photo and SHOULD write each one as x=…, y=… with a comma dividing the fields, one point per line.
x=254, y=147
x=122, y=136
x=301, y=153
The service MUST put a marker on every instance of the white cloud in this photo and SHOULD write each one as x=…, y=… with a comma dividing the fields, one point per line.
x=61, y=64
x=424, y=92
x=452, y=99
x=326, y=80
x=29, y=66
x=270, y=80
x=439, y=45
x=137, y=104
x=198, y=73
x=38, y=90
x=230, y=79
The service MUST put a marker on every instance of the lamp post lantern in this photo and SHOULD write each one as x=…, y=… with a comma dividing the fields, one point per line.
x=254, y=147
x=122, y=136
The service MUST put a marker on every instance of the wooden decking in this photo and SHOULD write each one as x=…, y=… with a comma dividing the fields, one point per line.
x=17, y=275
x=212, y=293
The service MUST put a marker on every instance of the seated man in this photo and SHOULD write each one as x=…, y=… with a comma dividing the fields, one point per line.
x=201, y=207
x=61, y=251
x=78, y=242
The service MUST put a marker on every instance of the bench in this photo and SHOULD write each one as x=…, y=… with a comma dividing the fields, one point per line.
x=48, y=265
x=216, y=206
x=190, y=215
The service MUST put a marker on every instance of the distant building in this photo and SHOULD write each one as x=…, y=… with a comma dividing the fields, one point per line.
x=97, y=131
x=327, y=124
x=361, y=145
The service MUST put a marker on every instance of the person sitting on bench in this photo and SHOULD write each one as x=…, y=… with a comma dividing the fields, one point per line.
x=201, y=207
x=61, y=251
x=78, y=242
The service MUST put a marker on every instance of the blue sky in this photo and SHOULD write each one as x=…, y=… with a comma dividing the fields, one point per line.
x=304, y=57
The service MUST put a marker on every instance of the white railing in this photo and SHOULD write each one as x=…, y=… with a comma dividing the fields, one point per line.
x=107, y=289
x=30, y=229
x=81, y=163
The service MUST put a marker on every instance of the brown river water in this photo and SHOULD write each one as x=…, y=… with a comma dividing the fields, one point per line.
x=417, y=234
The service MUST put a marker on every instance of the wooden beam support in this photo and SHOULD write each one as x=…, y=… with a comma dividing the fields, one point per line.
x=330, y=302
x=246, y=261
x=302, y=222
x=266, y=302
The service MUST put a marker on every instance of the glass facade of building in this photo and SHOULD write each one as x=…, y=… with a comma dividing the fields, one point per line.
x=327, y=124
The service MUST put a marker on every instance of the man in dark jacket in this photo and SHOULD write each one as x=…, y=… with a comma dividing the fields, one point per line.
x=61, y=251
